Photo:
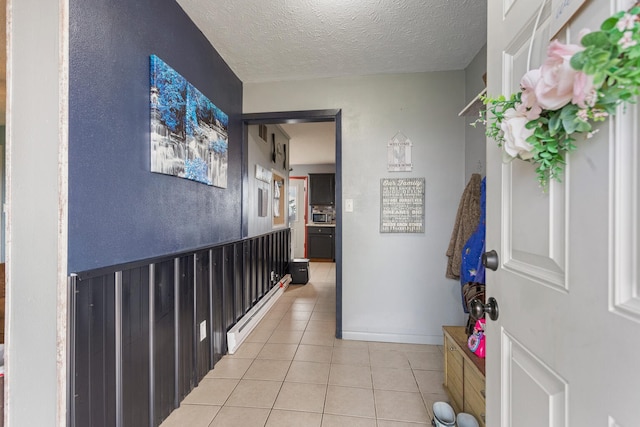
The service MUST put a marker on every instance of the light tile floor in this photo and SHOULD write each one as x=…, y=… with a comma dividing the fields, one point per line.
x=292, y=371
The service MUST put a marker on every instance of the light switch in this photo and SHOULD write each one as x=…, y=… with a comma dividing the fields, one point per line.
x=203, y=330
x=348, y=205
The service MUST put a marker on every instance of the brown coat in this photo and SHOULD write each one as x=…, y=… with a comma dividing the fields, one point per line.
x=466, y=223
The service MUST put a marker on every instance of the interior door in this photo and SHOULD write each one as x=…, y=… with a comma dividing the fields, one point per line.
x=298, y=215
x=564, y=349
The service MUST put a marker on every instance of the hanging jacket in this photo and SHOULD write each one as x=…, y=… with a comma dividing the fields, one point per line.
x=465, y=224
x=471, y=269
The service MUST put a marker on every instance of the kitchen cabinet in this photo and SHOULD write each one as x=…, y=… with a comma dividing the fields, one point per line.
x=463, y=374
x=321, y=243
x=322, y=187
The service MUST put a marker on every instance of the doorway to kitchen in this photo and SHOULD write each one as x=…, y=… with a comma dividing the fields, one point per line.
x=298, y=215
x=310, y=116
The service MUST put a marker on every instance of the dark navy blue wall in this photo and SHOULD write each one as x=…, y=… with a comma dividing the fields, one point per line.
x=118, y=210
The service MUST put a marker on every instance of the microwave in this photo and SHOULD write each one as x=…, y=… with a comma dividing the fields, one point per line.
x=322, y=218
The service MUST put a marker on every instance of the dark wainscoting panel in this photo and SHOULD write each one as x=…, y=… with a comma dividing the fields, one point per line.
x=228, y=286
x=203, y=310
x=164, y=339
x=247, y=269
x=219, y=333
x=255, y=295
x=186, y=326
x=238, y=281
x=94, y=379
x=137, y=347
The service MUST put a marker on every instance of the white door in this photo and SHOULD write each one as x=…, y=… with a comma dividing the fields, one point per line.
x=565, y=350
x=297, y=215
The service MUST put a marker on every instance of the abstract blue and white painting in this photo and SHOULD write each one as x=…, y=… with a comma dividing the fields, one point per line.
x=189, y=136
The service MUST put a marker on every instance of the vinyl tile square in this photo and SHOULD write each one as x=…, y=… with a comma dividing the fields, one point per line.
x=389, y=359
x=301, y=397
x=211, y=391
x=363, y=345
x=350, y=356
x=254, y=394
x=323, y=315
x=275, y=315
x=330, y=420
x=394, y=379
x=426, y=360
x=280, y=418
x=400, y=406
x=308, y=372
x=271, y=370
x=350, y=376
x=292, y=325
x=322, y=326
x=230, y=416
x=283, y=304
x=278, y=351
x=318, y=338
x=285, y=337
x=313, y=353
x=229, y=367
x=303, y=306
x=297, y=315
x=351, y=401
x=430, y=381
x=325, y=307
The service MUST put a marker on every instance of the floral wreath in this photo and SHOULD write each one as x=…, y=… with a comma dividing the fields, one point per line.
x=575, y=87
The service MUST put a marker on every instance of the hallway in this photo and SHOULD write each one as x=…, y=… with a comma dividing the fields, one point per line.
x=291, y=371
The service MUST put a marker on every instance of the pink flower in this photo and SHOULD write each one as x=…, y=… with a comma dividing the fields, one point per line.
x=515, y=135
x=592, y=133
x=626, y=22
x=583, y=115
x=627, y=40
x=556, y=85
x=529, y=104
x=584, y=92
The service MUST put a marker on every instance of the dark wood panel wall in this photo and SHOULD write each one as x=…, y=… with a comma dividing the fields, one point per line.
x=144, y=334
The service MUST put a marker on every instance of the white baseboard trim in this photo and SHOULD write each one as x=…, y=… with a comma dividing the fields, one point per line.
x=249, y=321
x=394, y=338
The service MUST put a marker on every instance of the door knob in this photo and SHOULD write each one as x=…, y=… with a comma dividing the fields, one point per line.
x=490, y=260
x=478, y=309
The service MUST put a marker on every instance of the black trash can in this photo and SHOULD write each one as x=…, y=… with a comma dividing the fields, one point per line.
x=299, y=270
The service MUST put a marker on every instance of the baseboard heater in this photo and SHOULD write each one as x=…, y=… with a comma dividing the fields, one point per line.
x=249, y=321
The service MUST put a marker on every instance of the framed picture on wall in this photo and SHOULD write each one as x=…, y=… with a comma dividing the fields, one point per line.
x=189, y=134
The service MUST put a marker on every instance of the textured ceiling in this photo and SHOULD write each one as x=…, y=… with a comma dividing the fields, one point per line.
x=276, y=40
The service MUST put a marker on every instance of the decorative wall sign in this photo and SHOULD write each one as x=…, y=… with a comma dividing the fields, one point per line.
x=399, y=154
x=263, y=174
x=402, y=205
x=189, y=136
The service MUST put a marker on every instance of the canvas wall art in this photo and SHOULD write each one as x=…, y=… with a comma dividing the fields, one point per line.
x=189, y=136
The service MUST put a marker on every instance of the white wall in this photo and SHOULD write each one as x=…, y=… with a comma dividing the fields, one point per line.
x=260, y=154
x=394, y=288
